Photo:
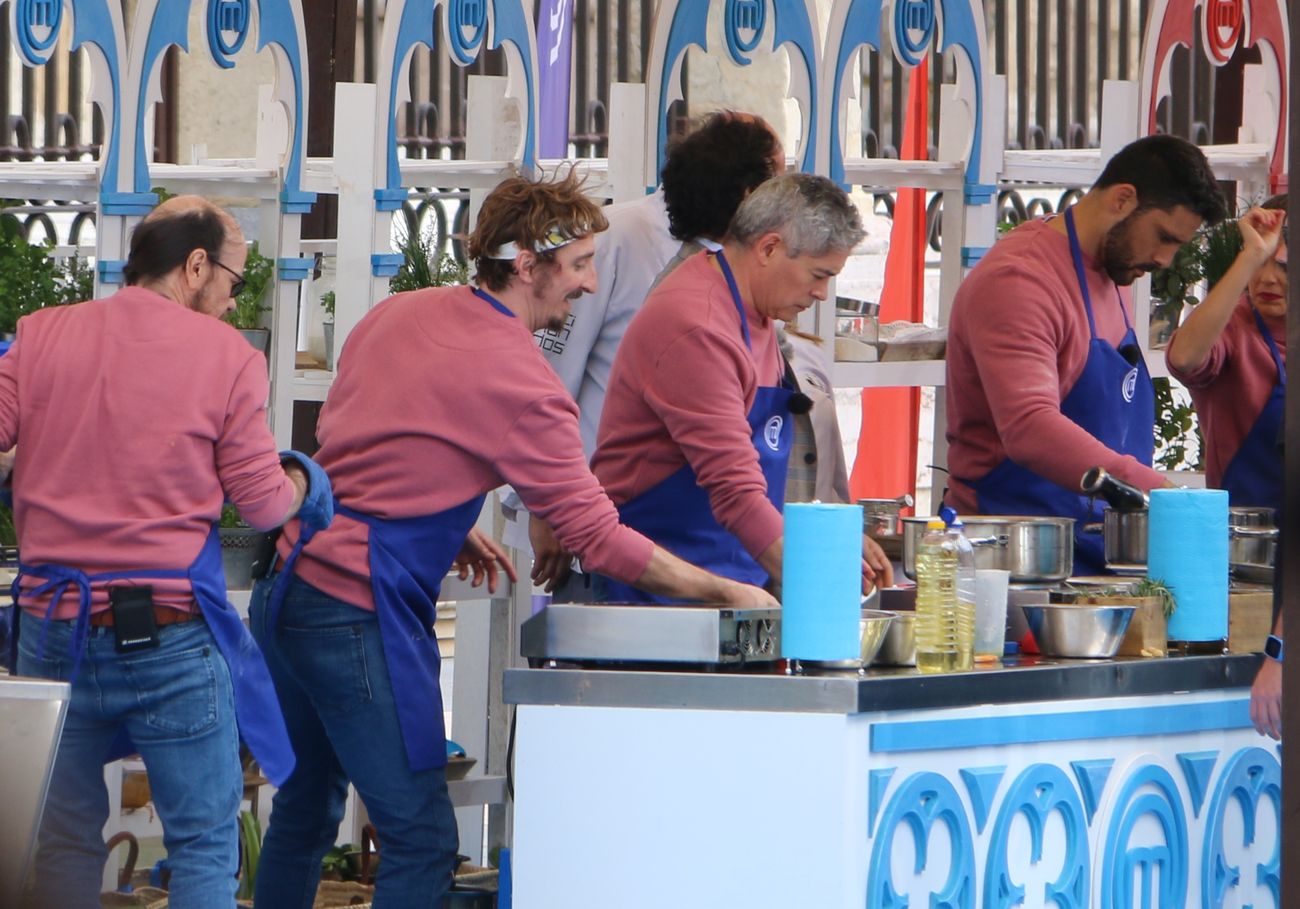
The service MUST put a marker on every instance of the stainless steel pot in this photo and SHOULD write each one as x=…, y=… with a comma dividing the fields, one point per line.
x=1036, y=550
x=1125, y=539
x=880, y=517
x=1252, y=543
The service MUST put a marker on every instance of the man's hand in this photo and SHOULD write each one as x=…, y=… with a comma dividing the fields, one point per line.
x=877, y=570
x=1266, y=699
x=550, y=559
x=481, y=554
x=747, y=596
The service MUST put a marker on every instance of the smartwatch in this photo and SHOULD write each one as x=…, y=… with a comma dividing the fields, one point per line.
x=1273, y=647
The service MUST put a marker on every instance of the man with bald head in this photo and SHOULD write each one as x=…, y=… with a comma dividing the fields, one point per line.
x=135, y=417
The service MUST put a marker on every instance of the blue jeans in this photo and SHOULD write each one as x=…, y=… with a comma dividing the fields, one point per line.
x=327, y=661
x=176, y=703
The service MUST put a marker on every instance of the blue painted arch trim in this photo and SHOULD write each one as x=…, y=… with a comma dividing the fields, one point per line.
x=93, y=24
x=510, y=25
x=1252, y=777
x=862, y=28
x=689, y=26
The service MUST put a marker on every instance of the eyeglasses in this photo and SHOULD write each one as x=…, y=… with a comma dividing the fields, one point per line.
x=238, y=286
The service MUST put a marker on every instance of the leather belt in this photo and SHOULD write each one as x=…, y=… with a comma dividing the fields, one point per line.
x=162, y=615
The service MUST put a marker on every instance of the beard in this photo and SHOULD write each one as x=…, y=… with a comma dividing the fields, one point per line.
x=1115, y=256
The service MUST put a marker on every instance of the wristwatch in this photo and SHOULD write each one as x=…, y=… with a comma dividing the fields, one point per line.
x=1273, y=647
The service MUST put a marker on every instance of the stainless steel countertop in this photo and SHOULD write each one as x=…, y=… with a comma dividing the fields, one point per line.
x=1027, y=680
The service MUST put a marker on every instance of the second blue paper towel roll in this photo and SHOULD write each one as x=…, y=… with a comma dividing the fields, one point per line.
x=1187, y=548
x=821, y=588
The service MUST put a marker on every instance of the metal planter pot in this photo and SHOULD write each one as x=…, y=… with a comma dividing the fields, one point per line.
x=1035, y=549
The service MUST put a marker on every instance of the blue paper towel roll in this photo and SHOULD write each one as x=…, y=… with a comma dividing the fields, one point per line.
x=821, y=588
x=1187, y=548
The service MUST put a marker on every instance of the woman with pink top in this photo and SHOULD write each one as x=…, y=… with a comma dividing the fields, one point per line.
x=1231, y=354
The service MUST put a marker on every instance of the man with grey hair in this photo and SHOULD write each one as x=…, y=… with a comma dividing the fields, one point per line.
x=695, y=435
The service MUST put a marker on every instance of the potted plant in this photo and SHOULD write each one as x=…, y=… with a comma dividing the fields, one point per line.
x=259, y=273
x=423, y=265
x=240, y=547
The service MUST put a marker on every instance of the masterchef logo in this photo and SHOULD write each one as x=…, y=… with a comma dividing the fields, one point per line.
x=772, y=433
x=1130, y=384
x=1222, y=24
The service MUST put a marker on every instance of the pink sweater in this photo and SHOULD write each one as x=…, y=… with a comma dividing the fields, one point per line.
x=1017, y=342
x=1232, y=387
x=679, y=392
x=134, y=418
x=440, y=398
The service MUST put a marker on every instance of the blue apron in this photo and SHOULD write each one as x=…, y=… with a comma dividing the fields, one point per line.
x=1114, y=402
x=676, y=513
x=257, y=710
x=1254, y=475
x=409, y=557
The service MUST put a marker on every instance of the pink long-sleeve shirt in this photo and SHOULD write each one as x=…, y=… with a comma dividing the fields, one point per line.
x=1231, y=388
x=134, y=418
x=679, y=392
x=439, y=398
x=1017, y=342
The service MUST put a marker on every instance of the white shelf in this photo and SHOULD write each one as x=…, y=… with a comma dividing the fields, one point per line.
x=1082, y=166
x=891, y=173
x=311, y=385
x=891, y=374
x=477, y=790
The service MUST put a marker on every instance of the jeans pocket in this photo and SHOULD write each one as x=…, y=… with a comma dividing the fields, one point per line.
x=178, y=691
x=330, y=663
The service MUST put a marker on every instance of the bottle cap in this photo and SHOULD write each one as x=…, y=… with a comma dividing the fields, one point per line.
x=934, y=524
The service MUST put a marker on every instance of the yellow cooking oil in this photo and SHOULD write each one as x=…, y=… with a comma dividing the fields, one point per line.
x=945, y=627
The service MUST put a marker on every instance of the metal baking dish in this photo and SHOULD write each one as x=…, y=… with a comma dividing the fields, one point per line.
x=1036, y=550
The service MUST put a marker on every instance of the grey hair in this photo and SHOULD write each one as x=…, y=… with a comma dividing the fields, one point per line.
x=812, y=215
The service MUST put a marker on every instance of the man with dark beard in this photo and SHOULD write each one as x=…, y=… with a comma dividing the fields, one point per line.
x=1045, y=377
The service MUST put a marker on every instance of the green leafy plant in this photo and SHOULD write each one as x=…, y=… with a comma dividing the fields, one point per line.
x=1179, y=443
x=423, y=265
x=335, y=865
x=230, y=518
x=327, y=303
x=259, y=271
x=250, y=854
x=31, y=278
x=1156, y=587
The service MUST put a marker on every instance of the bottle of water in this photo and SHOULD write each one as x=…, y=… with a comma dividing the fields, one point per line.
x=936, y=600
x=966, y=596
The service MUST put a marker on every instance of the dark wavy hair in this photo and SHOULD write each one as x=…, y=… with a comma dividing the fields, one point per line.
x=709, y=172
x=1167, y=172
x=524, y=212
x=161, y=243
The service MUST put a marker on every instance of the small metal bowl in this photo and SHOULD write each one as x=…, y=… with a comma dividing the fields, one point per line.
x=899, y=646
x=1078, y=631
x=872, y=625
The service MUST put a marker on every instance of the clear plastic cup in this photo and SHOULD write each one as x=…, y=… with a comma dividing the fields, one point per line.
x=990, y=612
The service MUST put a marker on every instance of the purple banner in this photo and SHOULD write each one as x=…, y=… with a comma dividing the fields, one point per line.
x=554, y=47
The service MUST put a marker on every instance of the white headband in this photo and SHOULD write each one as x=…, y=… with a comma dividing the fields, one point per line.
x=553, y=240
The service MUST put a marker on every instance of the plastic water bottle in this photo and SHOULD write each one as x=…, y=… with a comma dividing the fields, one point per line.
x=966, y=596
x=936, y=600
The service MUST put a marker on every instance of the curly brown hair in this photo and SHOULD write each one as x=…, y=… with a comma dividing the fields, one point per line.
x=525, y=212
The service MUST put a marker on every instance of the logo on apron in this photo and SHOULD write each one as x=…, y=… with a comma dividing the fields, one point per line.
x=772, y=432
x=1130, y=384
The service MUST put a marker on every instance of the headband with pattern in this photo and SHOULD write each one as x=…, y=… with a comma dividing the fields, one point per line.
x=553, y=240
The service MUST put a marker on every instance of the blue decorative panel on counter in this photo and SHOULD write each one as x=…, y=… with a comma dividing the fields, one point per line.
x=1076, y=808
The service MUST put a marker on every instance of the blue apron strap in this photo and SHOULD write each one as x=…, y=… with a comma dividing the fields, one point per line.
x=493, y=301
x=1272, y=347
x=1076, y=253
x=735, y=296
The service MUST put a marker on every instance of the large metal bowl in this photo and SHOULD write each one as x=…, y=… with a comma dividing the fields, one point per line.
x=1077, y=631
x=1035, y=549
x=873, y=624
x=899, y=645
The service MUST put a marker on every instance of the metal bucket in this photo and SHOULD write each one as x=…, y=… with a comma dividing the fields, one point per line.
x=882, y=517
x=1035, y=549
